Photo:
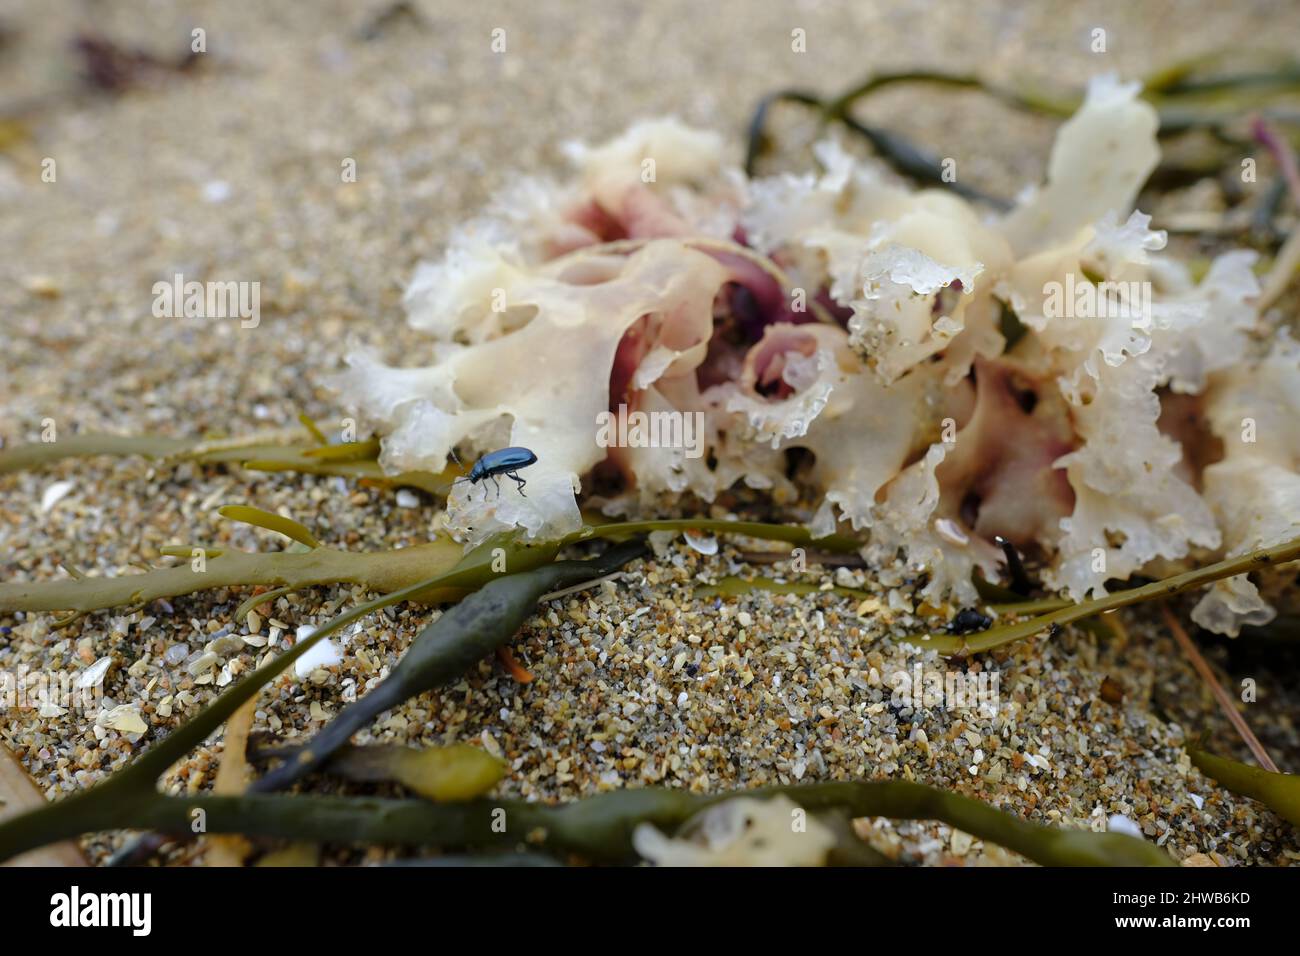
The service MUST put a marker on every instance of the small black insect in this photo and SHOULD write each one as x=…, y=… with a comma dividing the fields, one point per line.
x=504, y=461
x=969, y=620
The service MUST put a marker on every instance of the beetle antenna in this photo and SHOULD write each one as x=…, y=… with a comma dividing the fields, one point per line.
x=441, y=489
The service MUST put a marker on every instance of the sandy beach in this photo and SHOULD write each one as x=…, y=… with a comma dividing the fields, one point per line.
x=230, y=167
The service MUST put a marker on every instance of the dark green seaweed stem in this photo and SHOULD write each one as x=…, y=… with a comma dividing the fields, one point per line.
x=598, y=828
x=1183, y=94
x=1280, y=792
x=447, y=649
x=135, y=783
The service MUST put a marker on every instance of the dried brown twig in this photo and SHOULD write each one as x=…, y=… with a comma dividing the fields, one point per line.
x=1225, y=700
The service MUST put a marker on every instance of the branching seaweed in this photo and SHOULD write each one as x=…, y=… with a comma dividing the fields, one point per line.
x=445, y=650
x=1046, y=614
x=1188, y=96
x=136, y=782
x=598, y=828
x=377, y=571
x=380, y=571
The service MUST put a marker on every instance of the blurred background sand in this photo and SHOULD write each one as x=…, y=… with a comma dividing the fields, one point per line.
x=232, y=169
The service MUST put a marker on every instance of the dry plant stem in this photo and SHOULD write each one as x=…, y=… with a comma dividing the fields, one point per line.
x=232, y=779
x=1225, y=701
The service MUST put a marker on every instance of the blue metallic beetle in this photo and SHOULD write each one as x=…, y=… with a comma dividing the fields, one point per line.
x=504, y=461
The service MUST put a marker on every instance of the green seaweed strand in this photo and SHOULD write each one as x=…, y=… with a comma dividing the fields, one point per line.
x=447, y=649
x=598, y=828
x=1280, y=792
x=949, y=645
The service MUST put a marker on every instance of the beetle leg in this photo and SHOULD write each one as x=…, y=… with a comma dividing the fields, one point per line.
x=522, y=483
x=496, y=482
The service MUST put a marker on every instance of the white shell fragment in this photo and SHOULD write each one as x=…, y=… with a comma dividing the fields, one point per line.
x=124, y=718
x=703, y=543
x=93, y=675
x=741, y=832
x=55, y=493
x=1122, y=824
x=322, y=654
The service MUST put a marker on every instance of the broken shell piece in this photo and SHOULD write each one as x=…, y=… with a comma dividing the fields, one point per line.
x=124, y=718
x=703, y=543
x=741, y=832
x=55, y=493
x=320, y=655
